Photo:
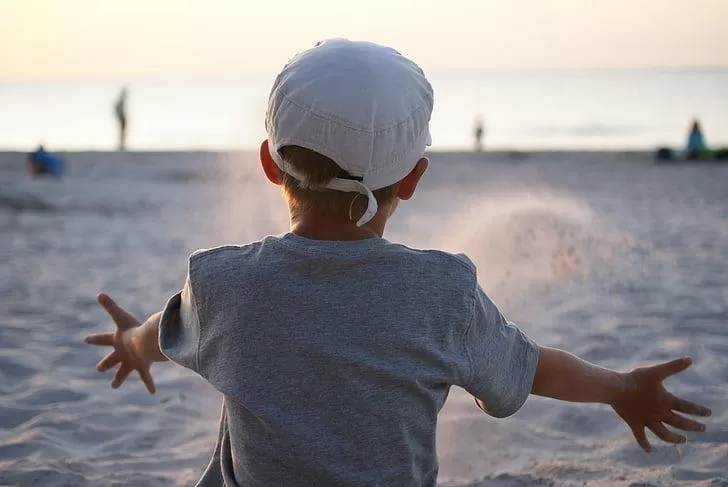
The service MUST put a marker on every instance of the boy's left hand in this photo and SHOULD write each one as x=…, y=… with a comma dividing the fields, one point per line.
x=645, y=403
x=122, y=340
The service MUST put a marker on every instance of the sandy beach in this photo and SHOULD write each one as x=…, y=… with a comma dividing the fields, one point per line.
x=604, y=254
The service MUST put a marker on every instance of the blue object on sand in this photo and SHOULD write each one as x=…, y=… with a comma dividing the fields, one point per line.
x=45, y=162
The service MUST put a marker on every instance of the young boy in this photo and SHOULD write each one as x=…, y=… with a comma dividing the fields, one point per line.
x=335, y=349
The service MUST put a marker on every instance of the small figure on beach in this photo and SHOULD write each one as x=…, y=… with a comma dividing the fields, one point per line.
x=479, y=133
x=41, y=162
x=696, y=148
x=120, y=112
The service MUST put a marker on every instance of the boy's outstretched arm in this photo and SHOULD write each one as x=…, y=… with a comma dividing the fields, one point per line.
x=135, y=345
x=638, y=397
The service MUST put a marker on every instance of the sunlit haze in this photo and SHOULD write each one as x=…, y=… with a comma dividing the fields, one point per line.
x=52, y=39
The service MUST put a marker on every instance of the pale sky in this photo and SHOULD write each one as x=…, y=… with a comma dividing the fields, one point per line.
x=52, y=39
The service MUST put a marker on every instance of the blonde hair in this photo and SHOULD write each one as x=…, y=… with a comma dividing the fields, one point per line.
x=309, y=195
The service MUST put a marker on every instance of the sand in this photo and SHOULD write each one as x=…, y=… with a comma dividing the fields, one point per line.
x=604, y=254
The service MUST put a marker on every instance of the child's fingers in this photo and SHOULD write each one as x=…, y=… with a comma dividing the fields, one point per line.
x=121, y=375
x=123, y=319
x=109, y=361
x=146, y=377
x=641, y=437
x=106, y=339
x=672, y=367
x=687, y=407
x=665, y=434
x=681, y=422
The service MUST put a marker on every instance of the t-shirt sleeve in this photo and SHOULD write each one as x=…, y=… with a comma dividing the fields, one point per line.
x=179, y=329
x=502, y=359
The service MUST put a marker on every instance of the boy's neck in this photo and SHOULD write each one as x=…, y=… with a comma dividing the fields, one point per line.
x=316, y=227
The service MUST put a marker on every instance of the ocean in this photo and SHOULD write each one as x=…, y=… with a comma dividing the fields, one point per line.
x=604, y=254
x=529, y=110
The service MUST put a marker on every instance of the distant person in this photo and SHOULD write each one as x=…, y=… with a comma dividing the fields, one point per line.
x=479, y=133
x=120, y=112
x=41, y=162
x=696, y=148
x=333, y=348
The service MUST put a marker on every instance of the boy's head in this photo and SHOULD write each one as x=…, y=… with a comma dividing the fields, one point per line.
x=348, y=124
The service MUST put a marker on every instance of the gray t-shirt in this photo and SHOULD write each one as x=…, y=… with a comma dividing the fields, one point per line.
x=335, y=357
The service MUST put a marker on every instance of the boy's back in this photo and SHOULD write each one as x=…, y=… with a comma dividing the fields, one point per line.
x=336, y=357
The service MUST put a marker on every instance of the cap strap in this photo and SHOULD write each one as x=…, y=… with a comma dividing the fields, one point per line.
x=347, y=185
x=350, y=185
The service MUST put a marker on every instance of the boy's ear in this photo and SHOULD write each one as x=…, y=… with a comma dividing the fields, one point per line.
x=408, y=185
x=269, y=165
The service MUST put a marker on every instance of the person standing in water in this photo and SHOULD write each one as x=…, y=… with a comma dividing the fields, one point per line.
x=479, y=132
x=120, y=112
x=696, y=148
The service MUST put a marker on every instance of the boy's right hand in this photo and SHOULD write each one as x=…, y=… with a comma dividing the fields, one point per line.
x=644, y=402
x=124, y=351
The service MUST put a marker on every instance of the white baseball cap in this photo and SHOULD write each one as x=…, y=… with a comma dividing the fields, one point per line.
x=362, y=105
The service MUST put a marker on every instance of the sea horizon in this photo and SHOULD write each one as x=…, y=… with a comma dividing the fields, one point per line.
x=529, y=110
